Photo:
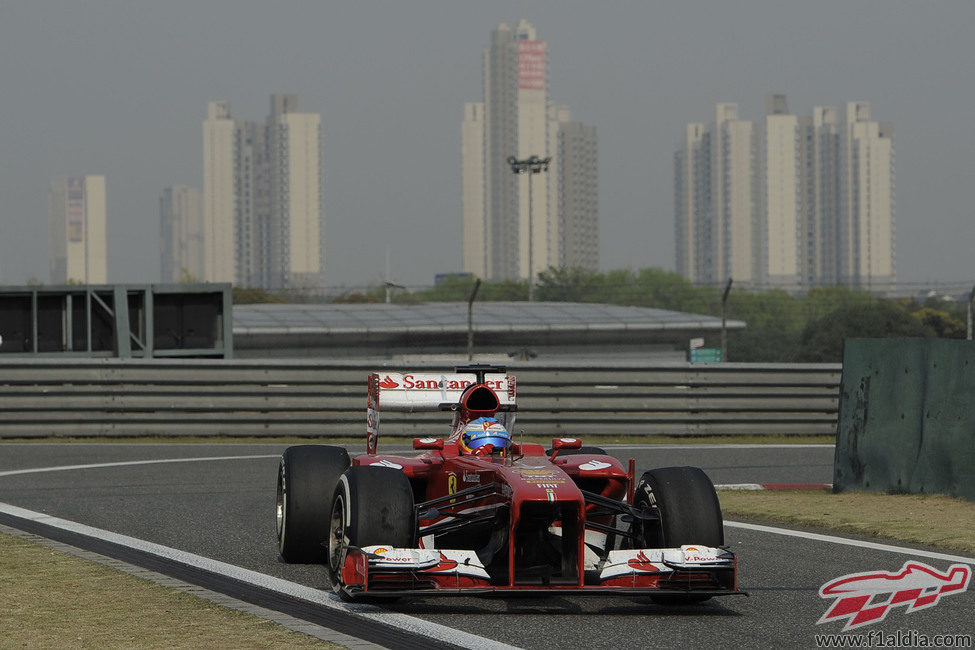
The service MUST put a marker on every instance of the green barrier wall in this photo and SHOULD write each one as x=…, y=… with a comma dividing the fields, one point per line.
x=907, y=417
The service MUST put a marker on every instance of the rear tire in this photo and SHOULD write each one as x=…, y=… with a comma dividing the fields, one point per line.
x=689, y=512
x=371, y=505
x=595, y=451
x=306, y=480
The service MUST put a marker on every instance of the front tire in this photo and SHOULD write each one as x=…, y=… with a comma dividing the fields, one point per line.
x=306, y=480
x=689, y=513
x=371, y=505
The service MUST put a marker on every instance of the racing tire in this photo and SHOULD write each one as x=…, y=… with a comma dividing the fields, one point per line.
x=595, y=451
x=371, y=505
x=689, y=512
x=306, y=481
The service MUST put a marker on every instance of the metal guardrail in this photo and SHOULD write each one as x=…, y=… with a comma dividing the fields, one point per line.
x=125, y=397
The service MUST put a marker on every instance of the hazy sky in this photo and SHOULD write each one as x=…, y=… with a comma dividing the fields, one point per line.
x=120, y=88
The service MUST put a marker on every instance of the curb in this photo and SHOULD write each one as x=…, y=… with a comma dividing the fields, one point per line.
x=774, y=486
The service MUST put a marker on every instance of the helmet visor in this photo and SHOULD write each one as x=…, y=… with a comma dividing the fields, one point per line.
x=475, y=439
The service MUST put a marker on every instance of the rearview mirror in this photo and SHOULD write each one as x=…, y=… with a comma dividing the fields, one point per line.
x=428, y=443
x=566, y=443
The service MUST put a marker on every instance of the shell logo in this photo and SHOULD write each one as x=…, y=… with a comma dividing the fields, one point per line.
x=380, y=551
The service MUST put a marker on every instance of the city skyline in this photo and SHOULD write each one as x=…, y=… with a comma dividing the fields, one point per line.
x=108, y=91
x=799, y=202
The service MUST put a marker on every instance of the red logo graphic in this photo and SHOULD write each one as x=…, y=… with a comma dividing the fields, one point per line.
x=865, y=598
x=388, y=382
x=641, y=563
x=446, y=564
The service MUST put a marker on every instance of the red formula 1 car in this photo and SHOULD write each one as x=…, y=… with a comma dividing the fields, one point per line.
x=475, y=512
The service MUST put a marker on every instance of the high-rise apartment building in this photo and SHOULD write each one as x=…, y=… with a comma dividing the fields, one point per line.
x=866, y=205
x=574, y=235
x=296, y=253
x=718, y=199
x=263, y=198
x=783, y=195
x=801, y=192
x=220, y=179
x=819, y=156
x=516, y=120
x=253, y=204
x=476, y=242
x=78, y=246
x=181, y=234
x=692, y=204
x=825, y=216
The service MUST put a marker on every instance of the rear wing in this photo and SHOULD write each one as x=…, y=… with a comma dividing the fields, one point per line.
x=413, y=392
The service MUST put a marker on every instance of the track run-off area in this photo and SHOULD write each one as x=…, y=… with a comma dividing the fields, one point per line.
x=204, y=514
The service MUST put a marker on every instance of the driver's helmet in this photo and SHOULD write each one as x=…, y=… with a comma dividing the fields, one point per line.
x=484, y=431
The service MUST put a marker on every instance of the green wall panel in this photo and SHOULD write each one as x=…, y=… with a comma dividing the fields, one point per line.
x=907, y=417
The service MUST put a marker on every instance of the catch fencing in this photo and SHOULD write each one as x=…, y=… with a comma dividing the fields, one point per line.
x=195, y=397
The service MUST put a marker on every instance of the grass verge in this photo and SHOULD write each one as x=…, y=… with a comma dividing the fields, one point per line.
x=927, y=519
x=51, y=599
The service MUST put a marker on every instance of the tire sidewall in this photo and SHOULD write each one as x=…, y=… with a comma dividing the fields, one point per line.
x=306, y=479
x=376, y=505
x=687, y=505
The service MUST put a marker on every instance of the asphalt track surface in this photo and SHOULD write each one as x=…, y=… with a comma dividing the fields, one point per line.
x=216, y=501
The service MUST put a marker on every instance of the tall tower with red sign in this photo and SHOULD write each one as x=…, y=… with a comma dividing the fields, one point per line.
x=512, y=121
x=516, y=119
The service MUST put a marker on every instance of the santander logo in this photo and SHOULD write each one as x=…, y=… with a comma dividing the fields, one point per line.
x=388, y=382
x=866, y=598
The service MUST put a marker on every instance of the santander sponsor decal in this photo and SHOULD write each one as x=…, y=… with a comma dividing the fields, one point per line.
x=866, y=598
x=594, y=465
x=388, y=382
x=436, y=382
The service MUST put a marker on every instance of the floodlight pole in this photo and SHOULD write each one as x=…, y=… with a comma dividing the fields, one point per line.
x=470, y=320
x=724, y=321
x=531, y=165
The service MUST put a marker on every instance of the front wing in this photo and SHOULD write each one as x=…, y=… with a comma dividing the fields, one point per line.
x=688, y=570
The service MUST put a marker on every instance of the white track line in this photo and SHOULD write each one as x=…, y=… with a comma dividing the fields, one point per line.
x=316, y=596
x=832, y=539
x=64, y=468
x=717, y=445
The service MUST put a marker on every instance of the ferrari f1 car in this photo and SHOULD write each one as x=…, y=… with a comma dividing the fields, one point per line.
x=476, y=512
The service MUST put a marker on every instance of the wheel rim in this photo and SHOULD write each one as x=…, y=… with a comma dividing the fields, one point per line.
x=338, y=543
x=281, y=507
x=650, y=533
